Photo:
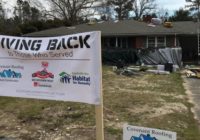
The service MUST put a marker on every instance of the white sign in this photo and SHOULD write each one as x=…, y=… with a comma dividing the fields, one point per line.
x=142, y=133
x=66, y=68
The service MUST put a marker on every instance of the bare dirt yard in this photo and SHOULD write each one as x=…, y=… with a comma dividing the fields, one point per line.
x=148, y=100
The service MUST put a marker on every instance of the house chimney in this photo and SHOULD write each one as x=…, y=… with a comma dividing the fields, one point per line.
x=147, y=18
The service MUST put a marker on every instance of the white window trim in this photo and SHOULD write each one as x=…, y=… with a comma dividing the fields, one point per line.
x=156, y=41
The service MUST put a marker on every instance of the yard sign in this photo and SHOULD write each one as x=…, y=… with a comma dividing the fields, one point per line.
x=143, y=133
x=66, y=68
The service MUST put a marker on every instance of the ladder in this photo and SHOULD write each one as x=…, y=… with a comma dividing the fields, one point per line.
x=198, y=37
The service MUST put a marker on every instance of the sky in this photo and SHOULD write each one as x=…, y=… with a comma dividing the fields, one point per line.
x=171, y=5
x=168, y=4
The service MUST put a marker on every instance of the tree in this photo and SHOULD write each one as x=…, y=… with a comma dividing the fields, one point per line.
x=122, y=8
x=194, y=6
x=35, y=14
x=2, y=17
x=105, y=11
x=141, y=7
x=2, y=10
x=18, y=11
x=181, y=15
x=162, y=13
x=71, y=11
x=24, y=12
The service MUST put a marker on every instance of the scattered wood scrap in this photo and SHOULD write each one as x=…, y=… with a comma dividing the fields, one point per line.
x=193, y=73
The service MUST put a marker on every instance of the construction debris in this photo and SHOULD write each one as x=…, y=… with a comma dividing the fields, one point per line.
x=161, y=56
x=158, y=72
x=139, y=70
x=168, y=24
x=193, y=73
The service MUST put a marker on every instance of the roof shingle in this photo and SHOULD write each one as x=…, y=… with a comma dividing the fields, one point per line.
x=122, y=28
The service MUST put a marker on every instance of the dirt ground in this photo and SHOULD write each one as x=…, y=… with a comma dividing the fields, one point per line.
x=193, y=91
x=148, y=100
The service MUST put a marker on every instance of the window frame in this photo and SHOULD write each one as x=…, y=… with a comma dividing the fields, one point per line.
x=116, y=43
x=156, y=43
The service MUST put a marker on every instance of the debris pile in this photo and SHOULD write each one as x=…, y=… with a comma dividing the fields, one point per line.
x=192, y=71
x=161, y=56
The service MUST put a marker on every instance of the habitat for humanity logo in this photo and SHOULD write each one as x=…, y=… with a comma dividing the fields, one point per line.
x=80, y=78
x=143, y=137
x=64, y=77
x=43, y=77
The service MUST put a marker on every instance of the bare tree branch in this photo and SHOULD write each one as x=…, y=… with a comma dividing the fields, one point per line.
x=71, y=10
x=140, y=7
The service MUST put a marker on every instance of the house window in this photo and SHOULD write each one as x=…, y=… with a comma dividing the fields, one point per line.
x=116, y=43
x=151, y=42
x=109, y=43
x=123, y=43
x=161, y=42
x=112, y=42
x=156, y=41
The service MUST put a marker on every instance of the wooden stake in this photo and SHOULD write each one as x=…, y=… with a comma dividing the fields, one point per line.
x=99, y=108
x=99, y=116
x=99, y=122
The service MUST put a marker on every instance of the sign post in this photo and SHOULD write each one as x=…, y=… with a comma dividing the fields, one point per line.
x=99, y=122
x=99, y=109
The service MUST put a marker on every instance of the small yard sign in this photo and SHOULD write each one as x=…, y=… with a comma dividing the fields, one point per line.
x=142, y=133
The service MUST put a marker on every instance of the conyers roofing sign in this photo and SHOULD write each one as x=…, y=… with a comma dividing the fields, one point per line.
x=64, y=68
x=143, y=133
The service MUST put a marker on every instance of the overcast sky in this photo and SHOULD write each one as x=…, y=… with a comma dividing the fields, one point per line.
x=171, y=5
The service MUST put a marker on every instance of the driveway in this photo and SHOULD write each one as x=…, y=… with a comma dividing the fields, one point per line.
x=192, y=86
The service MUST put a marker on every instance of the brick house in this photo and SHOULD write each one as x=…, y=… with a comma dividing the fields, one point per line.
x=118, y=36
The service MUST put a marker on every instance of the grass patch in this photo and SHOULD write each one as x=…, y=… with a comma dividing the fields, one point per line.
x=152, y=101
x=113, y=131
x=148, y=100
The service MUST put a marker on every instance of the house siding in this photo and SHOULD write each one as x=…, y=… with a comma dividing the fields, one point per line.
x=170, y=41
x=140, y=42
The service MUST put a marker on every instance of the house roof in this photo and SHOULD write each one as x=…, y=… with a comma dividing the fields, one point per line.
x=122, y=28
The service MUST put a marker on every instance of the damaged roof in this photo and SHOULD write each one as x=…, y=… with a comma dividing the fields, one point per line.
x=122, y=28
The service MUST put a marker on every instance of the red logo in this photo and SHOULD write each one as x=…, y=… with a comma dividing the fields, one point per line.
x=35, y=84
x=43, y=74
x=45, y=64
